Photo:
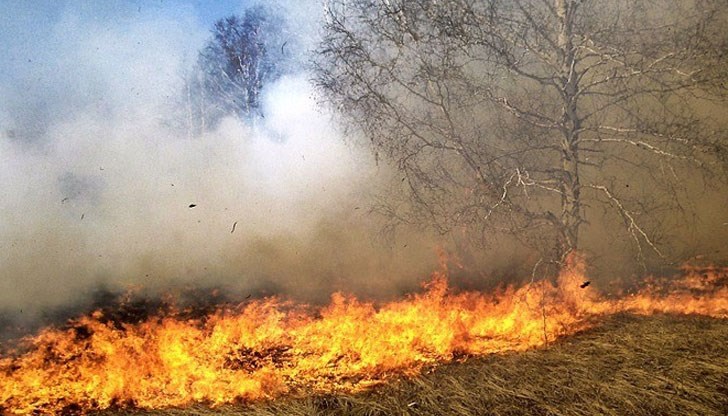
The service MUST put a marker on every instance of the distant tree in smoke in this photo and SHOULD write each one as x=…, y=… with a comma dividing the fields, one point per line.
x=528, y=119
x=244, y=54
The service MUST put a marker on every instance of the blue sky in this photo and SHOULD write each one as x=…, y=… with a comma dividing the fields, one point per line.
x=27, y=26
x=45, y=12
x=62, y=56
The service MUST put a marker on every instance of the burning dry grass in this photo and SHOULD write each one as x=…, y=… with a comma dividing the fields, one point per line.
x=267, y=349
x=629, y=365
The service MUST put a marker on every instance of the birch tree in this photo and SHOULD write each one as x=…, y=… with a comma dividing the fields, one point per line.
x=528, y=118
x=243, y=55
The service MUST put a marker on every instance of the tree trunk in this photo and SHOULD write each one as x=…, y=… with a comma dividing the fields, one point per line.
x=570, y=125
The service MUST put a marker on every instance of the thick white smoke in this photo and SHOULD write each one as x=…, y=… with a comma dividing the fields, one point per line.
x=97, y=189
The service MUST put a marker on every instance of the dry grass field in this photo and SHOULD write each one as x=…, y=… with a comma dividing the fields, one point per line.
x=629, y=365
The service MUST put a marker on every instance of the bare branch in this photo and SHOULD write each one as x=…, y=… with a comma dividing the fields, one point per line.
x=633, y=227
x=644, y=146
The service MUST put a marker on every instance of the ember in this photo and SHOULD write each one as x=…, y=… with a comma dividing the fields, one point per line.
x=266, y=348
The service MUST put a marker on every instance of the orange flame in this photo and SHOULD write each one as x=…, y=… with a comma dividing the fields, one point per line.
x=269, y=347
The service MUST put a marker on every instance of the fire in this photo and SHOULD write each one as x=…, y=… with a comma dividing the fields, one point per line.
x=266, y=348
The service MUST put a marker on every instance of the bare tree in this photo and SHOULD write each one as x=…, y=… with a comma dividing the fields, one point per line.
x=528, y=118
x=244, y=54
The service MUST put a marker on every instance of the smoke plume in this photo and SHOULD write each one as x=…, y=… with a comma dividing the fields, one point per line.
x=99, y=191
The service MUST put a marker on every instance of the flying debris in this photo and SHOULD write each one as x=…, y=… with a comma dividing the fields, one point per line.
x=83, y=215
x=585, y=284
x=234, y=225
x=192, y=205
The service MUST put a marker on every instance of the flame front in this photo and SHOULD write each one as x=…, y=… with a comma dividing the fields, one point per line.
x=269, y=347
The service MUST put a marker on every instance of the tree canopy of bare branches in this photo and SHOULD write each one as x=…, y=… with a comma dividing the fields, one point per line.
x=243, y=55
x=530, y=117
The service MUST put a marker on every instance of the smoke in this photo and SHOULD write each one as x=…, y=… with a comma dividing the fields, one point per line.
x=97, y=191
